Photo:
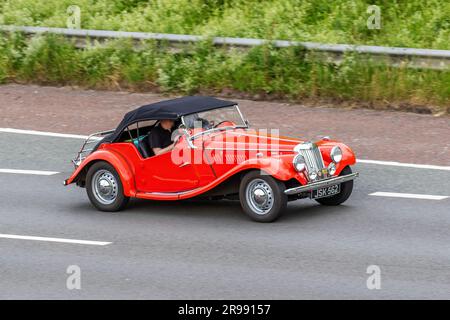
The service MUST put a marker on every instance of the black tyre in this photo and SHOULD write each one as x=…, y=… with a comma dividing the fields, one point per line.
x=341, y=197
x=262, y=197
x=104, y=187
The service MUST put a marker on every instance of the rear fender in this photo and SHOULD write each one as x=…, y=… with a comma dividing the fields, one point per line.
x=119, y=163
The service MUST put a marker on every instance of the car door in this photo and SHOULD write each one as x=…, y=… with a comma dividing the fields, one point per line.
x=167, y=172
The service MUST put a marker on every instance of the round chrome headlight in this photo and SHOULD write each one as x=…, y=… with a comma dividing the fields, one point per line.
x=299, y=163
x=336, y=154
x=332, y=168
x=313, y=175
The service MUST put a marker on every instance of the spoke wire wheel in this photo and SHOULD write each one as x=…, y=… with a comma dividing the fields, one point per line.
x=105, y=187
x=259, y=196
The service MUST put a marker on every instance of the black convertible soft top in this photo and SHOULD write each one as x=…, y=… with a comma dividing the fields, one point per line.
x=175, y=108
x=169, y=109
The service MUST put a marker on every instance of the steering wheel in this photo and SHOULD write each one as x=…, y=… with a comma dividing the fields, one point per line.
x=221, y=122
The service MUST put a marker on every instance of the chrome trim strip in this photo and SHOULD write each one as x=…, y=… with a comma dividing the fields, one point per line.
x=278, y=138
x=321, y=184
x=184, y=164
x=249, y=149
x=179, y=193
x=242, y=116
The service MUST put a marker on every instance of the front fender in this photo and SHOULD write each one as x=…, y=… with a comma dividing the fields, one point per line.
x=119, y=163
x=281, y=168
x=348, y=156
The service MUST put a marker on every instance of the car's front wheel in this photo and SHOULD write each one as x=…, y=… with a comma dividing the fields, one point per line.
x=341, y=197
x=104, y=187
x=262, y=197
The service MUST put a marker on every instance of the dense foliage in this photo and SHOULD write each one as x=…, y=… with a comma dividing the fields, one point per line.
x=282, y=73
x=411, y=23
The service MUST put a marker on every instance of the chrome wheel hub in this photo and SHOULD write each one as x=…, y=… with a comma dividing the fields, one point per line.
x=104, y=185
x=259, y=196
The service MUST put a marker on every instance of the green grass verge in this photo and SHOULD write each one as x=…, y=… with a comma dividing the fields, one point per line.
x=290, y=73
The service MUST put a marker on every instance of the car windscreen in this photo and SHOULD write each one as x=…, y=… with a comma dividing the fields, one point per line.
x=211, y=118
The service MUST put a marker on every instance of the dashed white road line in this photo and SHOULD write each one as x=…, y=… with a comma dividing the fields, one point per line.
x=32, y=172
x=61, y=240
x=376, y=162
x=43, y=133
x=401, y=164
x=408, y=195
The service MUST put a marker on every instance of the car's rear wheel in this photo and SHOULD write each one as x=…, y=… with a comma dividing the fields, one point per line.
x=262, y=197
x=104, y=187
x=341, y=197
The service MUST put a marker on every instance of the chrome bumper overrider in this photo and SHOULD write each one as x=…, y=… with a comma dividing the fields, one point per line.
x=321, y=184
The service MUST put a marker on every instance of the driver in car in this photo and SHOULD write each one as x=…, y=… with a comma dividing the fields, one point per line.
x=161, y=137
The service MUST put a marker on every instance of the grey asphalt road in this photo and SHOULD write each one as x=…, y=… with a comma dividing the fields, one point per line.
x=210, y=250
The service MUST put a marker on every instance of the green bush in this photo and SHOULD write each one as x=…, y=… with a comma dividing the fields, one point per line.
x=49, y=59
x=289, y=73
x=412, y=23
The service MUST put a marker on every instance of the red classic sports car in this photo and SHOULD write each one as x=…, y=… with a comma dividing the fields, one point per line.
x=215, y=155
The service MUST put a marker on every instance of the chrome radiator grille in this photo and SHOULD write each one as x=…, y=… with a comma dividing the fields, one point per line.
x=313, y=157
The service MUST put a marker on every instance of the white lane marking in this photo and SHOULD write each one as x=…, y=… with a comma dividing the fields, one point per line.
x=408, y=195
x=400, y=164
x=34, y=172
x=378, y=162
x=74, y=241
x=43, y=133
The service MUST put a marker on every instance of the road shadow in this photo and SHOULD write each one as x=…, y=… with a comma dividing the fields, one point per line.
x=191, y=207
x=223, y=210
x=307, y=210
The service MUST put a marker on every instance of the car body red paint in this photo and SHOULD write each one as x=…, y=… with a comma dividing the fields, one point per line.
x=203, y=160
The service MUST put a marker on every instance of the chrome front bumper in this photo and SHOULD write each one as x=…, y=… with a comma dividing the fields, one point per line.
x=321, y=184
